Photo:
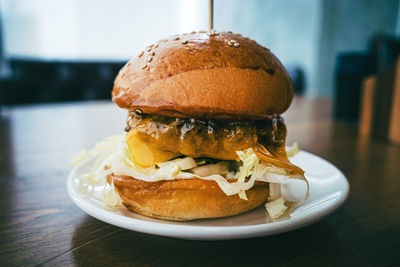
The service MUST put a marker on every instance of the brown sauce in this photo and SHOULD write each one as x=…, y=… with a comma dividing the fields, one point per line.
x=219, y=139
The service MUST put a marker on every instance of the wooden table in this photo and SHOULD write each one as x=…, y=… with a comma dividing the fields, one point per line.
x=39, y=224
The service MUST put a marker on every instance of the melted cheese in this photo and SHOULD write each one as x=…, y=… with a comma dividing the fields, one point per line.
x=143, y=153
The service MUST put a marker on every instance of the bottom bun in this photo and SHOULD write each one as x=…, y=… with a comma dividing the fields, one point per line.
x=186, y=199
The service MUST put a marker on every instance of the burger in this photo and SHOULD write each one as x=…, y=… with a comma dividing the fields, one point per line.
x=204, y=137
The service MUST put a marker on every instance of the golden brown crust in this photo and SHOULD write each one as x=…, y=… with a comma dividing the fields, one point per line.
x=194, y=75
x=182, y=200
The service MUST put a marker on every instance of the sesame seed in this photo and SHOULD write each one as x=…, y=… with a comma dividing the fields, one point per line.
x=176, y=38
x=233, y=43
x=141, y=54
x=149, y=59
x=193, y=32
x=156, y=46
x=212, y=32
x=144, y=66
x=148, y=50
x=138, y=110
x=127, y=128
x=185, y=42
x=229, y=31
x=153, y=53
x=202, y=31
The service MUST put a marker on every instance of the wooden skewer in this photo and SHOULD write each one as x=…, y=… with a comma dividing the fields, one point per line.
x=210, y=14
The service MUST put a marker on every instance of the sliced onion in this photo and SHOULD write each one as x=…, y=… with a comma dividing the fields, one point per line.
x=220, y=168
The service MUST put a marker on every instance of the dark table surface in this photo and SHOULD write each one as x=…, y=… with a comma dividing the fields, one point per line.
x=39, y=224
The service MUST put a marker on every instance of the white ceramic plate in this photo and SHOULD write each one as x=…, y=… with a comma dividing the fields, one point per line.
x=328, y=190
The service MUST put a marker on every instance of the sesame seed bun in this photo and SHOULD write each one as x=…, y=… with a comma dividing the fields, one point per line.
x=205, y=75
x=182, y=200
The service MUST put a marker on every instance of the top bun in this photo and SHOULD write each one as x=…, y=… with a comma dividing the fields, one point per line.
x=205, y=75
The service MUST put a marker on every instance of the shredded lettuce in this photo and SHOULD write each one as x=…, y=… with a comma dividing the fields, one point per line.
x=269, y=173
x=242, y=194
x=110, y=195
x=81, y=156
x=249, y=160
x=276, y=208
x=293, y=150
x=172, y=168
x=248, y=157
x=108, y=146
x=274, y=191
x=182, y=163
x=112, y=155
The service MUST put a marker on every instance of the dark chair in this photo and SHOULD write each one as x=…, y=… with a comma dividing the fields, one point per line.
x=35, y=81
x=385, y=49
x=351, y=68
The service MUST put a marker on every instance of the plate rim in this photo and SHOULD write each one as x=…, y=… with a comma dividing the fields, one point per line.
x=204, y=232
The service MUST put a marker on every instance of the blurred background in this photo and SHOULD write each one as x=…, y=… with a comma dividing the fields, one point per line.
x=68, y=50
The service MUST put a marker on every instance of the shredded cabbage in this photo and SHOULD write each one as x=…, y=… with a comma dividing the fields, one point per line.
x=293, y=150
x=274, y=191
x=112, y=155
x=183, y=164
x=276, y=208
x=269, y=173
x=110, y=195
x=249, y=160
x=81, y=156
